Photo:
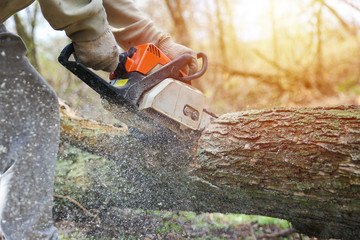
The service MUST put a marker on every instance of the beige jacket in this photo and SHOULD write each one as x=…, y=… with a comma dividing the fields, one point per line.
x=85, y=20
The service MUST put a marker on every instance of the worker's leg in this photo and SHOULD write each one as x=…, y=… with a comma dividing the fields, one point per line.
x=29, y=131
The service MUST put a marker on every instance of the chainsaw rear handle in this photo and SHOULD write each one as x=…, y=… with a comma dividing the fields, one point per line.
x=198, y=74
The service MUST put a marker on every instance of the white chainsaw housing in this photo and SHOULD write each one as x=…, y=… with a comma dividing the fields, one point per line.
x=176, y=100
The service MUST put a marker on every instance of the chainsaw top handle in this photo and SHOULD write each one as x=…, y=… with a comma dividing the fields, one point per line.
x=198, y=74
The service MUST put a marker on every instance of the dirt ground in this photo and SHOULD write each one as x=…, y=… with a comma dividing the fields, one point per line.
x=135, y=224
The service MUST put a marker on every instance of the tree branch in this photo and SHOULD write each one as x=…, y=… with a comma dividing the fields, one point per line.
x=352, y=5
x=342, y=22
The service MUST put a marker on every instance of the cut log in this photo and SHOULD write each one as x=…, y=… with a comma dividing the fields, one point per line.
x=301, y=164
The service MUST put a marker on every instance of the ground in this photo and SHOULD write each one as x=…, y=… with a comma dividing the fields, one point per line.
x=138, y=224
x=85, y=208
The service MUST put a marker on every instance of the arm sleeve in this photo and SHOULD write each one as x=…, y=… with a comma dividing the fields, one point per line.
x=82, y=20
x=130, y=25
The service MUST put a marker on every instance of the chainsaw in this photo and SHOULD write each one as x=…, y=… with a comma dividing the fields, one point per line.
x=148, y=91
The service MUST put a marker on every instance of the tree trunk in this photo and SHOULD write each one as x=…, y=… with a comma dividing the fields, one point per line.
x=181, y=31
x=302, y=165
x=26, y=30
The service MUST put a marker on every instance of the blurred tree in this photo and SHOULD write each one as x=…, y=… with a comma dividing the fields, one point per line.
x=319, y=49
x=352, y=4
x=274, y=30
x=25, y=28
x=321, y=83
x=221, y=33
x=335, y=13
x=181, y=32
x=227, y=49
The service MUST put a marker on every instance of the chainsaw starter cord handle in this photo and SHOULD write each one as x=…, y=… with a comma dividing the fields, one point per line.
x=203, y=56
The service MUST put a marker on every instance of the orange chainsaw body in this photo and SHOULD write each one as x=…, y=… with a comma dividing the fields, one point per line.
x=145, y=58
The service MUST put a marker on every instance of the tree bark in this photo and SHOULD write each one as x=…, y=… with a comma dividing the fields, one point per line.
x=301, y=164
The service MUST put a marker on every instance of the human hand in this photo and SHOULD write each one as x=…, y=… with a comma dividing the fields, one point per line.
x=99, y=54
x=174, y=50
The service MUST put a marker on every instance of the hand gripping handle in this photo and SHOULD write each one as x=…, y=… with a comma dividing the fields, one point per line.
x=86, y=75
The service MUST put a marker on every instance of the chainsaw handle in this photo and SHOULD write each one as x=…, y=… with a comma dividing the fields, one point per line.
x=198, y=74
x=86, y=75
x=66, y=53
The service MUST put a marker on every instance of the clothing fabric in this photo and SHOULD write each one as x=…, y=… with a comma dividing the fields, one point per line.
x=29, y=133
x=85, y=20
x=129, y=25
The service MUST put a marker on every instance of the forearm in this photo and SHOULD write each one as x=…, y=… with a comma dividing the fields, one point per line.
x=130, y=25
x=82, y=20
x=8, y=8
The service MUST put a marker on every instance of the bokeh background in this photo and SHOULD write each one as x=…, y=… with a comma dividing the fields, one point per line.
x=262, y=53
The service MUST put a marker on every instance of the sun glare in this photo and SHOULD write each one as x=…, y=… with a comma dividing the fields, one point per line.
x=255, y=19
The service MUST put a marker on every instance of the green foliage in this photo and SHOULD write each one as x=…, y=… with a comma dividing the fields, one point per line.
x=71, y=179
x=70, y=172
x=168, y=227
x=219, y=220
x=76, y=236
x=188, y=216
x=351, y=84
x=274, y=221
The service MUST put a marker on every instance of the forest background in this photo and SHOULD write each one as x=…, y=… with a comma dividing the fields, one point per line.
x=262, y=53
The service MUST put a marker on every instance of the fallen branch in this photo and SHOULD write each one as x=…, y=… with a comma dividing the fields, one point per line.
x=282, y=233
x=77, y=204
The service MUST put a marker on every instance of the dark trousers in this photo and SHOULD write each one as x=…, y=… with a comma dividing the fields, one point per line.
x=29, y=133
